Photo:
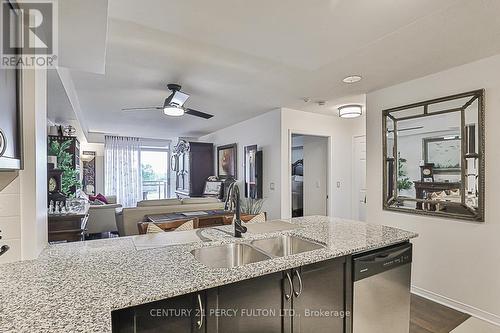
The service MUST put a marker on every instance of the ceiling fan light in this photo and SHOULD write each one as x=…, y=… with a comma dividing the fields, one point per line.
x=350, y=111
x=352, y=79
x=173, y=111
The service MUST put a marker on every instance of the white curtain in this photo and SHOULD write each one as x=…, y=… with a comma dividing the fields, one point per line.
x=123, y=169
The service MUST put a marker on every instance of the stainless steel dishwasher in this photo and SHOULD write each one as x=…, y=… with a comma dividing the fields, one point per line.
x=381, y=290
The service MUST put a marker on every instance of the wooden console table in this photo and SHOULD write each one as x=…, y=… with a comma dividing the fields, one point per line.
x=423, y=188
x=68, y=227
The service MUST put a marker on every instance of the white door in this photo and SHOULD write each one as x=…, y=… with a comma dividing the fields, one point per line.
x=359, y=179
x=315, y=175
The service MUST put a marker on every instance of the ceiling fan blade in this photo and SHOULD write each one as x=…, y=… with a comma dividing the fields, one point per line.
x=143, y=108
x=198, y=114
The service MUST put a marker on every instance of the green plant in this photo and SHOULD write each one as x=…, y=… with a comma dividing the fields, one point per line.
x=147, y=172
x=404, y=183
x=70, y=176
x=251, y=206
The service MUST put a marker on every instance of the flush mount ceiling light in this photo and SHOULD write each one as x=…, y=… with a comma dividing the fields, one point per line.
x=350, y=111
x=352, y=79
x=173, y=111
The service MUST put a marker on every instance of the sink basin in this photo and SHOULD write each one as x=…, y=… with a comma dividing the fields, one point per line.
x=286, y=245
x=229, y=255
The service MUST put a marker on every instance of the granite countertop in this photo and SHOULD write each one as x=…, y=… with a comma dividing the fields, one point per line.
x=74, y=287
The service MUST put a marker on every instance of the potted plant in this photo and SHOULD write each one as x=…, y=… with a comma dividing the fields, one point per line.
x=251, y=206
x=404, y=182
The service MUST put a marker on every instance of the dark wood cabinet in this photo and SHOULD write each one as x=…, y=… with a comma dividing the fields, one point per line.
x=193, y=163
x=182, y=314
x=312, y=298
x=319, y=297
x=253, y=305
x=67, y=227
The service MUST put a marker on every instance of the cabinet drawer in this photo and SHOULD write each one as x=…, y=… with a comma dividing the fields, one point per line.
x=10, y=227
x=14, y=252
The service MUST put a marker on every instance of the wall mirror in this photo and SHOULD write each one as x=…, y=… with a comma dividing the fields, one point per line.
x=434, y=157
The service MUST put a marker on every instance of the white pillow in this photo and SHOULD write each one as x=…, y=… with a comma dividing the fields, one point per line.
x=153, y=229
x=258, y=218
x=189, y=225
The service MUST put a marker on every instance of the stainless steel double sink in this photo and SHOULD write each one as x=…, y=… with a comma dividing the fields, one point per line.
x=238, y=254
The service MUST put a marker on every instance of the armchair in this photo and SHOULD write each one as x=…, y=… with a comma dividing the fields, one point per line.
x=103, y=218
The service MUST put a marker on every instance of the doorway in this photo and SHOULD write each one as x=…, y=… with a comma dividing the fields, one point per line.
x=359, y=178
x=309, y=177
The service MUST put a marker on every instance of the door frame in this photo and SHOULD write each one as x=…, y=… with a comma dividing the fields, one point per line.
x=354, y=202
x=329, y=174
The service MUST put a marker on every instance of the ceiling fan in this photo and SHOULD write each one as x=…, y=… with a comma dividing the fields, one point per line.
x=174, y=105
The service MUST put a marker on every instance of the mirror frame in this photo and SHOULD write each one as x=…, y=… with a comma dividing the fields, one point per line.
x=480, y=155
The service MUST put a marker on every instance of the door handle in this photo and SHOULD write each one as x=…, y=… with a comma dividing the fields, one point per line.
x=301, y=286
x=199, y=323
x=4, y=249
x=290, y=284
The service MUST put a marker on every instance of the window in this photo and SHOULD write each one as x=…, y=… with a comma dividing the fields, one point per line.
x=155, y=173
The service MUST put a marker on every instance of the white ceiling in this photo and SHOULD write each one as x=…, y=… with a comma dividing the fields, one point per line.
x=238, y=58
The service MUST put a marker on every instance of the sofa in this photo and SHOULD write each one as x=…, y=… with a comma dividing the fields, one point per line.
x=102, y=218
x=129, y=217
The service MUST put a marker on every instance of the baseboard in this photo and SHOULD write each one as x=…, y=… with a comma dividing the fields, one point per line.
x=459, y=306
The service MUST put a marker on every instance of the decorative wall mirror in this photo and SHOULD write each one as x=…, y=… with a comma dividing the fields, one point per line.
x=434, y=157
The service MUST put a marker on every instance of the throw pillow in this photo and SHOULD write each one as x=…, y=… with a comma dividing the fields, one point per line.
x=186, y=226
x=258, y=218
x=102, y=198
x=153, y=229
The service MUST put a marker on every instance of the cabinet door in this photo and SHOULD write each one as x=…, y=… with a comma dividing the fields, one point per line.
x=318, y=301
x=250, y=306
x=183, y=314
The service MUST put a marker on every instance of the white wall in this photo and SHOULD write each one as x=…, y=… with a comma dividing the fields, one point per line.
x=10, y=215
x=454, y=261
x=315, y=175
x=341, y=133
x=263, y=131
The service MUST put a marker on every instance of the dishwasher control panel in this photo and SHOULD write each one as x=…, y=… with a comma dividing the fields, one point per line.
x=375, y=262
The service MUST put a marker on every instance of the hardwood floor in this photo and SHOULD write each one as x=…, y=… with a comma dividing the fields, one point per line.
x=429, y=317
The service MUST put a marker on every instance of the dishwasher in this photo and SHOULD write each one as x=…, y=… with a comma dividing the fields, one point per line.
x=381, y=290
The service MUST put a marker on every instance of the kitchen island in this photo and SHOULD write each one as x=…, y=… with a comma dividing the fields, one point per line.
x=75, y=287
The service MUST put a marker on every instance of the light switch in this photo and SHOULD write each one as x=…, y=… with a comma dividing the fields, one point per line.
x=338, y=184
x=271, y=186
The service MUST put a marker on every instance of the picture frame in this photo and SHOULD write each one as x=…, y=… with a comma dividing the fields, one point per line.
x=444, y=153
x=227, y=161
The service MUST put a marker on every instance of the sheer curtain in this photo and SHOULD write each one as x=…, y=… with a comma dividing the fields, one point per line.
x=123, y=169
